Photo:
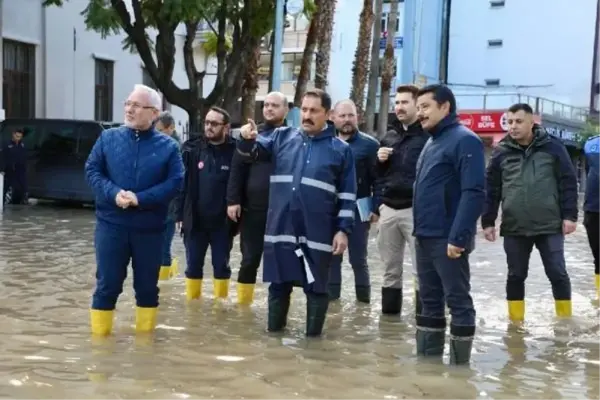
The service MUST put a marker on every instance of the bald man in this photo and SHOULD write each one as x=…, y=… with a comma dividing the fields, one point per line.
x=248, y=199
x=364, y=149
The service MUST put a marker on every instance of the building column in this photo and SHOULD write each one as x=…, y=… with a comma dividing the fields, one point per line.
x=409, y=36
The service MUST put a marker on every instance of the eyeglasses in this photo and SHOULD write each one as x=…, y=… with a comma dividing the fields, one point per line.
x=137, y=106
x=213, y=124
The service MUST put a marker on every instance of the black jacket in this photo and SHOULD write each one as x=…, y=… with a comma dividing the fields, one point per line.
x=249, y=182
x=202, y=203
x=396, y=176
x=364, y=148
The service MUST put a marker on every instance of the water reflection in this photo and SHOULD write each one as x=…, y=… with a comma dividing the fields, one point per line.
x=216, y=349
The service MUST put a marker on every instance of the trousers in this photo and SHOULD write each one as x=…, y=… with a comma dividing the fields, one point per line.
x=357, y=252
x=196, y=245
x=116, y=246
x=591, y=221
x=252, y=236
x=169, y=234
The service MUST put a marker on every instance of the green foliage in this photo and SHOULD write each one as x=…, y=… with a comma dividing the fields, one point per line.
x=210, y=44
x=591, y=129
x=310, y=8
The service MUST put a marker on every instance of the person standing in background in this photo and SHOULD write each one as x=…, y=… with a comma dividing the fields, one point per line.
x=396, y=169
x=591, y=206
x=248, y=199
x=170, y=265
x=14, y=168
x=364, y=149
x=134, y=172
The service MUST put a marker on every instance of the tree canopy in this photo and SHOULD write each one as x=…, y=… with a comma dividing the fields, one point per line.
x=238, y=26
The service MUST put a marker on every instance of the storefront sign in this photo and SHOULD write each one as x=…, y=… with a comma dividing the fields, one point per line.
x=485, y=122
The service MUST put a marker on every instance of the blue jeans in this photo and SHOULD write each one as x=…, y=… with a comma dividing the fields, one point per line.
x=169, y=233
x=357, y=250
x=552, y=251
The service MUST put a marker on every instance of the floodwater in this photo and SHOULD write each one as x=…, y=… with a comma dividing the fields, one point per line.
x=216, y=350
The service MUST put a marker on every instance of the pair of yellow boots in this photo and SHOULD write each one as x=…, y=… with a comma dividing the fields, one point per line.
x=245, y=291
x=102, y=320
x=169, y=271
x=516, y=309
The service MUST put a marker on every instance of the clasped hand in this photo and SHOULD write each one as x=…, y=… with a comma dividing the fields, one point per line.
x=126, y=199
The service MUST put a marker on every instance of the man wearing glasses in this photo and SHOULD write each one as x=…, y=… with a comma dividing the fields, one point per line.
x=134, y=172
x=202, y=205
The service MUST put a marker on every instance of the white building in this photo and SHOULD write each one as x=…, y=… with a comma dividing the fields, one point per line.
x=54, y=68
x=532, y=47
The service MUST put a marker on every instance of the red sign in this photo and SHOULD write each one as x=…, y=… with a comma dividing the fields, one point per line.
x=485, y=122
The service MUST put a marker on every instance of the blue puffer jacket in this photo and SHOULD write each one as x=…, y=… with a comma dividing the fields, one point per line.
x=147, y=163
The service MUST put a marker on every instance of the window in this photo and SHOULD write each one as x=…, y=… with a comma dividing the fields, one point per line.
x=385, y=18
x=59, y=139
x=103, y=94
x=290, y=66
x=88, y=134
x=492, y=82
x=495, y=43
x=497, y=3
x=18, y=85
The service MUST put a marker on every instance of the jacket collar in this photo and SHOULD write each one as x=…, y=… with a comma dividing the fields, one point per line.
x=327, y=132
x=448, y=121
x=412, y=129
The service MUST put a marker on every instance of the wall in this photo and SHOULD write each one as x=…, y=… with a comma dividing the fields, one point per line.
x=65, y=73
x=545, y=43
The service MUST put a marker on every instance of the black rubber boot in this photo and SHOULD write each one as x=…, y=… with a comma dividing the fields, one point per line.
x=460, y=350
x=278, y=311
x=316, y=311
x=430, y=343
x=335, y=291
x=391, y=301
x=363, y=294
x=418, y=304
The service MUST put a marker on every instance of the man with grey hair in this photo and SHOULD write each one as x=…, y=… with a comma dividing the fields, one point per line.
x=134, y=172
x=165, y=123
x=248, y=198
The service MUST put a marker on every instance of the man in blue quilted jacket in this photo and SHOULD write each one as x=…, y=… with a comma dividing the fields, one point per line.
x=135, y=172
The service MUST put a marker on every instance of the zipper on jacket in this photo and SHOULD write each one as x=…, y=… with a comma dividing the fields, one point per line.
x=137, y=156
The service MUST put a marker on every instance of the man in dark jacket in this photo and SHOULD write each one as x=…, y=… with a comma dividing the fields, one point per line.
x=165, y=124
x=396, y=169
x=311, y=202
x=14, y=167
x=448, y=200
x=248, y=199
x=533, y=177
x=202, y=204
x=591, y=205
x=364, y=149
x=134, y=172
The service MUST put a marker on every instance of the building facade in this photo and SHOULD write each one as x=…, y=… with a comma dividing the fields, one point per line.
x=54, y=68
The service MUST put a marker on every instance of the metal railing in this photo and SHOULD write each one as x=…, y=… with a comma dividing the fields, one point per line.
x=540, y=105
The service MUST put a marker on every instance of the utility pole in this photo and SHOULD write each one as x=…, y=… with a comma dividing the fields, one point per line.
x=277, y=47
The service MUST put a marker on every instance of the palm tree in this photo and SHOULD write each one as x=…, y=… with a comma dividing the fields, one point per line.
x=360, y=69
x=369, y=124
x=309, y=49
x=326, y=15
x=389, y=68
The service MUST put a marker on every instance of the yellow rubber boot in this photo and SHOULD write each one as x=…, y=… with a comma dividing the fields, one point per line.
x=245, y=292
x=516, y=310
x=563, y=308
x=145, y=319
x=174, y=268
x=221, y=288
x=165, y=273
x=193, y=288
x=101, y=322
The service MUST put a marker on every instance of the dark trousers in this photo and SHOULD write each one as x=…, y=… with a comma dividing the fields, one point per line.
x=115, y=247
x=444, y=280
x=15, y=187
x=357, y=251
x=252, y=238
x=169, y=233
x=518, y=251
x=196, y=245
x=590, y=221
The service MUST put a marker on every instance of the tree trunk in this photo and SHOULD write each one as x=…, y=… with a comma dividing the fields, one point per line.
x=324, y=43
x=194, y=121
x=361, y=58
x=369, y=125
x=250, y=86
x=389, y=70
x=307, y=56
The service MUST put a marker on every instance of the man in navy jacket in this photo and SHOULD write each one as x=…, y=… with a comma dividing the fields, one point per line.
x=135, y=172
x=448, y=199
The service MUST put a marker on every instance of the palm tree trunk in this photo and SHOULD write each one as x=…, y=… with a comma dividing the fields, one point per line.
x=369, y=124
x=250, y=86
x=307, y=56
x=388, y=70
x=324, y=43
x=361, y=58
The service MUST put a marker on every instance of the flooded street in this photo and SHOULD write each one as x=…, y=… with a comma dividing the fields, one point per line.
x=217, y=350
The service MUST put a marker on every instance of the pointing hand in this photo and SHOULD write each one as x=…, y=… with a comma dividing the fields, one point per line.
x=249, y=131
